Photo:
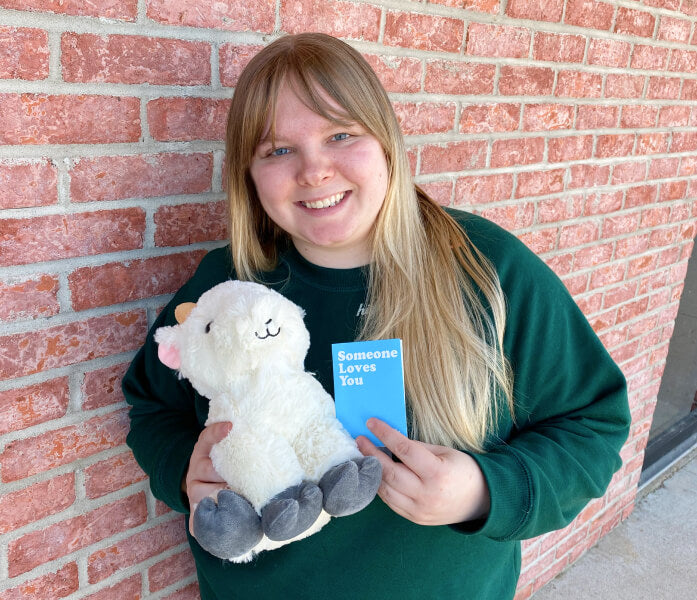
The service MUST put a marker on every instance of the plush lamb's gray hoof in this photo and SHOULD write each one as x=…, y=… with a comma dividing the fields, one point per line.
x=291, y=512
x=229, y=528
x=351, y=486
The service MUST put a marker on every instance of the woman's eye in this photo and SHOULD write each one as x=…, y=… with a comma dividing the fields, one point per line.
x=279, y=152
x=340, y=136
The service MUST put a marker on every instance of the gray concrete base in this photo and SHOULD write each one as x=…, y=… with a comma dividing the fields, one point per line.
x=652, y=555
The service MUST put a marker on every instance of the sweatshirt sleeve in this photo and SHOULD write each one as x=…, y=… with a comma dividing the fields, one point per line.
x=164, y=427
x=570, y=401
x=165, y=422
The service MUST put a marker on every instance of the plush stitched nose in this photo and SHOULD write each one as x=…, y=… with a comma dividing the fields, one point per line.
x=169, y=356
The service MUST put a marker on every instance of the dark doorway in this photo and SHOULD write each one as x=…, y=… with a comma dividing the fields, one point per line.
x=674, y=426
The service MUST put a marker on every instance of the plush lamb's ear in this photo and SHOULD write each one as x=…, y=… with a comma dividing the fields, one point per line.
x=181, y=313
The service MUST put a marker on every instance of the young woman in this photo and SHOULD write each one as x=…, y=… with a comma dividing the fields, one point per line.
x=516, y=411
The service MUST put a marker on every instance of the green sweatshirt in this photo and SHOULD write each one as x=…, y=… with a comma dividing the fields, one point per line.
x=572, y=418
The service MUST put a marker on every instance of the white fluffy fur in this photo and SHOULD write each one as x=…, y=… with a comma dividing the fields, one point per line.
x=284, y=425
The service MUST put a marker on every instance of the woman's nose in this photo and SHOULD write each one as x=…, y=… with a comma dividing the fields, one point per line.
x=315, y=169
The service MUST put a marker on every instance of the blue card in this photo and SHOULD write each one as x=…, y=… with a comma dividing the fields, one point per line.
x=369, y=382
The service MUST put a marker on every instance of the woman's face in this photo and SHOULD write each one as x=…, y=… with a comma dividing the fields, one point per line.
x=322, y=183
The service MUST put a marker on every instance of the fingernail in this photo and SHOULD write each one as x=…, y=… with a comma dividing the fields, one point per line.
x=370, y=423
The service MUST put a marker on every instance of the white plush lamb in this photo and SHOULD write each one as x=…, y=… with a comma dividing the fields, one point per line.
x=288, y=462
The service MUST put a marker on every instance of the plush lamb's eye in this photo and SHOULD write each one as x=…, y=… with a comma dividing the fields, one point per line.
x=208, y=327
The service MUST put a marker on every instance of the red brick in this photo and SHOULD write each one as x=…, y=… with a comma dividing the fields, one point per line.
x=117, y=177
x=578, y=84
x=337, y=18
x=55, y=585
x=128, y=589
x=233, y=58
x=684, y=141
x=614, y=145
x=102, y=387
x=576, y=285
x=23, y=407
x=674, y=30
x=672, y=190
x=185, y=224
x=547, y=117
x=26, y=353
x=485, y=6
x=498, y=41
x=634, y=22
x=588, y=13
x=683, y=60
x=649, y=57
x=486, y=118
x=417, y=118
x=190, y=592
x=112, y=474
x=518, y=216
x=440, y=191
x=600, y=204
x=529, y=81
x=29, y=298
x=578, y=235
x=609, y=53
x=561, y=149
x=596, y=116
x=592, y=256
x=563, y=208
x=688, y=166
x=679, y=212
x=483, y=189
x=87, y=58
x=632, y=246
x=655, y=216
x=114, y=283
x=423, y=32
x=536, y=10
x=25, y=185
x=54, y=237
x=688, y=7
x=588, y=176
x=23, y=53
x=506, y=153
x=450, y=77
x=35, y=502
x=668, y=4
x=632, y=309
x=61, y=539
x=540, y=241
x=29, y=456
x=561, y=264
x=187, y=119
x=125, y=10
x=641, y=195
x=163, y=573
x=635, y=116
x=663, y=88
x=44, y=119
x=617, y=225
x=629, y=172
x=456, y=156
x=619, y=295
x=624, y=86
x=397, y=73
x=556, y=47
x=607, y=275
x=135, y=549
x=689, y=90
x=674, y=116
x=538, y=183
x=233, y=15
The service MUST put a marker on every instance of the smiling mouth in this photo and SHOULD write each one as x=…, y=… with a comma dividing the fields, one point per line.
x=326, y=203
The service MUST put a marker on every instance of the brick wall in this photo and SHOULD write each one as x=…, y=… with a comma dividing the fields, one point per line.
x=570, y=123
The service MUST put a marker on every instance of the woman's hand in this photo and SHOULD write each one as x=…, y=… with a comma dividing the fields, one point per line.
x=201, y=478
x=433, y=485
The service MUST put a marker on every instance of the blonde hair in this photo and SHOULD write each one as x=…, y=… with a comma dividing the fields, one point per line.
x=426, y=277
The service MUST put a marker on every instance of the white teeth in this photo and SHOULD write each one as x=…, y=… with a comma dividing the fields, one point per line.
x=327, y=202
